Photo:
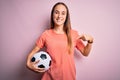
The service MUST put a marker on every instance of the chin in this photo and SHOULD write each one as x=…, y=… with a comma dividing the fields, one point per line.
x=58, y=24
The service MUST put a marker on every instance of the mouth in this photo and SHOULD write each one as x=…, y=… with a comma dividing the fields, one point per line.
x=59, y=20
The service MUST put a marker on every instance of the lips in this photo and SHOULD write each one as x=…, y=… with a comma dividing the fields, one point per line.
x=59, y=20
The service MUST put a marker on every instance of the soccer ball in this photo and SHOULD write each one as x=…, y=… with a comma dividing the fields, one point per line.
x=44, y=60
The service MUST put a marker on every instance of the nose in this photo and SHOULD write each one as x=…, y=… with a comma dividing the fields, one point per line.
x=59, y=15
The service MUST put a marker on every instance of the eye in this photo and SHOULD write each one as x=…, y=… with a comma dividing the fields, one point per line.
x=63, y=13
x=56, y=12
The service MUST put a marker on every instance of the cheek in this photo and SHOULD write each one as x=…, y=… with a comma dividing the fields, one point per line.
x=64, y=18
x=54, y=18
x=55, y=15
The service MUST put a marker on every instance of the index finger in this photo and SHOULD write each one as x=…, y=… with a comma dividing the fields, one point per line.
x=36, y=61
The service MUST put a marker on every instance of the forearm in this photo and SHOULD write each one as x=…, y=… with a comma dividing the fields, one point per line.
x=31, y=65
x=35, y=49
x=87, y=49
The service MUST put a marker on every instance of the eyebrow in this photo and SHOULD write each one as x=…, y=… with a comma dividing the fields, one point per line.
x=59, y=11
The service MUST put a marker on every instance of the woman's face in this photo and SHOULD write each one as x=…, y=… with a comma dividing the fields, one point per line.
x=59, y=15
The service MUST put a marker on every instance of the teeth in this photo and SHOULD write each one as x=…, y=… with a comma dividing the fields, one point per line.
x=58, y=20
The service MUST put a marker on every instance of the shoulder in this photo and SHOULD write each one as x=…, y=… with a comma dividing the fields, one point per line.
x=74, y=32
x=46, y=32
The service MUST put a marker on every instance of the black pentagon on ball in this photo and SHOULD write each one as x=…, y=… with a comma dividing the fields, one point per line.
x=41, y=66
x=33, y=59
x=50, y=63
x=43, y=56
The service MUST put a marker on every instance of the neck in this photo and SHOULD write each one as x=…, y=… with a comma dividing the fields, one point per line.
x=59, y=29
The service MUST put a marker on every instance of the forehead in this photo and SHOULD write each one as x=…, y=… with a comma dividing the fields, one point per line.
x=60, y=7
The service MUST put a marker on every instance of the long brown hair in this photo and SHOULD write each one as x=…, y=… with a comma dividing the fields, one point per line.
x=67, y=25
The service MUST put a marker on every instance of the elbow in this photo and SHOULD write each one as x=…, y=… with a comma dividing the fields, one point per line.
x=86, y=53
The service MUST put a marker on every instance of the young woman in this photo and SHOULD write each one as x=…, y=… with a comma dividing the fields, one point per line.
x=60, y=41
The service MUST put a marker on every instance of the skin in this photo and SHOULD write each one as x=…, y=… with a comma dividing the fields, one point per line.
x=86, y=50
x=59, y=17
x=31, y=65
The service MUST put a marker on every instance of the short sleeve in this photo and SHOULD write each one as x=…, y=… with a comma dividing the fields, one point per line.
x=41, y=40
x=79, y=44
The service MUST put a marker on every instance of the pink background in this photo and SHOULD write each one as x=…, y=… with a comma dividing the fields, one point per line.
x=22, y=21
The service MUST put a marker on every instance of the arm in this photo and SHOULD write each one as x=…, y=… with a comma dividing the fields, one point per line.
x=86, y=50
x=30, y=64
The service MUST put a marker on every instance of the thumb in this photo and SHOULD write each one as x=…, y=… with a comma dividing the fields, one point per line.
x=36, y=61
x=80, y=36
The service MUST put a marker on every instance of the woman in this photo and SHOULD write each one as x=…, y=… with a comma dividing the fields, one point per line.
x=60, y=41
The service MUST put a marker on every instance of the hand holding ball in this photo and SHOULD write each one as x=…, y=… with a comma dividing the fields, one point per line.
x=43, y=58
